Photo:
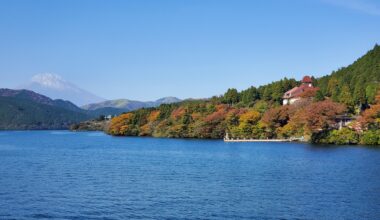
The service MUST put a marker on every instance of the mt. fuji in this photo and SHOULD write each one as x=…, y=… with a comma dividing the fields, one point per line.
x=55, y=87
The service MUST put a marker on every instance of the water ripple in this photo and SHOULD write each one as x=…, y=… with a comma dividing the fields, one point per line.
x=94, y=176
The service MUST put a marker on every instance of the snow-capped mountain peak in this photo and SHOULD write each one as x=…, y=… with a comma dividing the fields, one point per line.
x=55, y=87
x=50, y=80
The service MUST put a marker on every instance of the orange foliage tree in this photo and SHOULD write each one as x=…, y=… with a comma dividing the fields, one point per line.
x=318, y=116
x=275, y=118
x=371, y=117
x=118, y=125
x=153, y=116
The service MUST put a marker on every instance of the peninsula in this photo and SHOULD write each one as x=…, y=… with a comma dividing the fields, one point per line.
x=340, y=108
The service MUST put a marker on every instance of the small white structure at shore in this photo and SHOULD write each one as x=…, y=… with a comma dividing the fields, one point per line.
x=228, y=139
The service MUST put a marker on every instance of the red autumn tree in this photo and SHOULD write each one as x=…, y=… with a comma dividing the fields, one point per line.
x=318, y=116
x=371, y=117
x=275, y=118
x=309, y=93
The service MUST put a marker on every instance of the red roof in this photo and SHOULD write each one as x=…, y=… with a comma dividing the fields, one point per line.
x=296, y=91
x=307, y=79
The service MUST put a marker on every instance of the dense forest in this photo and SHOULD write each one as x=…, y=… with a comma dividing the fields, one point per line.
x=355, y=85
x=22, y=113
x=258, y=112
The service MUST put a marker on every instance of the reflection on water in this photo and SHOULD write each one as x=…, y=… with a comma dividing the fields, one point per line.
x=61, y=133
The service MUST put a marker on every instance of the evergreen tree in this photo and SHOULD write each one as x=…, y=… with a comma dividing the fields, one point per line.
x=319, y=96
x=370, y=92
x=359, y=94
x=345, y=96
x=250, y=95
x=231, y=96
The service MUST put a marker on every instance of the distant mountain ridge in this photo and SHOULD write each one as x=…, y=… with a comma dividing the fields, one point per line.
x=55, y=87
x=130, y=105
x=38, y=98
x=23, y=109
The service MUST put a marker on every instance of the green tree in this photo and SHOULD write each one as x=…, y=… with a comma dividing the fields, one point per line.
x=267, y=93
x=343, y=136
x=359, y=93
x=332, y=87
x=231, y=96
x=319, y=96
x=370, y=137
x=261, y=106
x=249, y=96
x=370, y=92
x=345, y=96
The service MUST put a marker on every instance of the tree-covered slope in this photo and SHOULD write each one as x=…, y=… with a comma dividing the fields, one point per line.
x=355, y=84
x=23, y=94
x=106, y=111
x=23, y=109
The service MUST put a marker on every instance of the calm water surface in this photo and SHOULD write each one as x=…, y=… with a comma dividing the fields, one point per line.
x=63, y=175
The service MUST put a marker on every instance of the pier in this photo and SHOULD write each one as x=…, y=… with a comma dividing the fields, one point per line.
x=293, y=139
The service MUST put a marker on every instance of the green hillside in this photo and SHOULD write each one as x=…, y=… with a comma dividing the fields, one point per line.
x=28, y=110
x=355, y=84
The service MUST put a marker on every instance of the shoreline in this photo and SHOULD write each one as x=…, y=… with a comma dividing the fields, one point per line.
x=299, y=140
x=258, y=140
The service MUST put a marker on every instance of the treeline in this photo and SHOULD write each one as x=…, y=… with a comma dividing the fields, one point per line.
x=313, y=120
x=272, y=92
x=258, y=113
x=198, y=119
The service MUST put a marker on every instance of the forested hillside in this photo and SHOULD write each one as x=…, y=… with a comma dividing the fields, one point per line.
x=258, y=113
x=23, y=109
x=356, y=84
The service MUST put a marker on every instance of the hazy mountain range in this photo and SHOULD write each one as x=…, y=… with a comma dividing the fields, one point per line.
x=55, y=87
x=25, y=109
x=50, y=102
x=130, y=105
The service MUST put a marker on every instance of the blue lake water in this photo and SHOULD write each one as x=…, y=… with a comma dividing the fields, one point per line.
x=89, y=175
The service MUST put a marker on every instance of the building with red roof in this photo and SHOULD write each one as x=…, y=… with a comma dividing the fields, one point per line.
x=307, y=79
x=294, y=94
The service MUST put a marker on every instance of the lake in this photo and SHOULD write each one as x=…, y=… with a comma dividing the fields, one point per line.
x=89, y=175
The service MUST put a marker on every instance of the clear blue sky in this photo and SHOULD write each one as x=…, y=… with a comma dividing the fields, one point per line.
x=186, y=48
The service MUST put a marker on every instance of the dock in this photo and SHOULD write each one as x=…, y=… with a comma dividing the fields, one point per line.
x=258, y=140
x=293, y=139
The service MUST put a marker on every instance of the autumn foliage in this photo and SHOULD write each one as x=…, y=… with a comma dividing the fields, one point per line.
x=208, y=120
x=371, y=117
x=258, y=113
x=119, y=124
x=318, y=116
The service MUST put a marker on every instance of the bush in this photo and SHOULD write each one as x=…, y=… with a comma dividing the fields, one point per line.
x=343, y=136
x=319, y=137
x=370, y=137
